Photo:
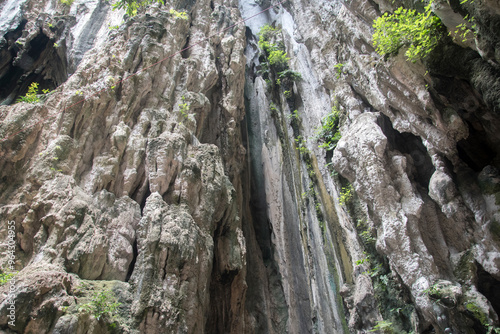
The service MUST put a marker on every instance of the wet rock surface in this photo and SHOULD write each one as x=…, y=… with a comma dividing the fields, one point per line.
x=191, y=186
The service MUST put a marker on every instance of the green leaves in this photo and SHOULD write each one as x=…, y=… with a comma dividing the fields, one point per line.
x=5, y=277
x=346, y=195
x=278, y=59
x=101, y=305
x=329, y=132
x=338, y=68
x=67, y=2
x=383, y=326
x=131, y=6
x=32, y=94
x=420, y=32
x=266, y=34
x=180, y=15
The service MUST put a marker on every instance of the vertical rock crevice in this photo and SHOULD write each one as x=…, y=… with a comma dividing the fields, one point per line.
x=197, y=191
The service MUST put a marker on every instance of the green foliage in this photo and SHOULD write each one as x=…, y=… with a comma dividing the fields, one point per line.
x=346, y=195
x=5, y=277
x=184, y=108
x=101, y=305
x=67, y=2
x=478, y=313
x=300, y=145
x=264, y=69
x=278, y=59
x=179, y=15
x=442, y=294
x=367, y=238
x=329, y=132
x=58, y=151
x=288, y=94
x=338, y=67
x=433, y=291
x=420, y=32
x=274, y=53
x=365, y=234
x=273, y=109
x=266, y=34
x=32, y=94
x=376, y=272
x=294, y=115
x=364, y=260
x=132, y=6
x=289, y=75
x=482, y=317
x=388, y=293
x=383, y=326
x=467, y=30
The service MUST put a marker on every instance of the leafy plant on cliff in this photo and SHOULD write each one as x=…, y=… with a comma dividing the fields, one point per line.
x=132, y=6
x=278, y=59
x=32, y=94
x=338, y=68
x=101, y=305
x=184, y=108
x=300, y=145
x=266, y=34
x=5, y=277
x=365, y=234
x=275, y=58
x=346, y=195
x=180, y=15
x=467, y=29
x=329, y=132
x=420, y=32
x=67, y=2
x=289, y=75
x=383, y=326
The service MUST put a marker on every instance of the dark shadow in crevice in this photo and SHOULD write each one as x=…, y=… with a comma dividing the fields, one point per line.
x=142, y=202
x=409, y=144
x=185, y=51
x=219, y=316
x=38, y=62
x=475, y=151
x=489, y=287
x=134, y=259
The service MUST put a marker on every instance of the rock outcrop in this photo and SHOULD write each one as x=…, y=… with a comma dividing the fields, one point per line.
x=174, y=174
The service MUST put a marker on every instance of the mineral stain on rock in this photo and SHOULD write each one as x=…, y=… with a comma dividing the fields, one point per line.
x=155, y=190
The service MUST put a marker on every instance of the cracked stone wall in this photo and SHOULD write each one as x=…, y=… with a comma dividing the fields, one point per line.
x=189, y=187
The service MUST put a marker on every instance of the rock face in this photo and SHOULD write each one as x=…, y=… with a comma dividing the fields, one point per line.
x=191, y=187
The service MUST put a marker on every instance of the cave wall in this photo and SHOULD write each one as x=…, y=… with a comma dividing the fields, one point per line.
x=196, y=191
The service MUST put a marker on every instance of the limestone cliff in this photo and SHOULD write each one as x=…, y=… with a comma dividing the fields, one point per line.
x=176, y=170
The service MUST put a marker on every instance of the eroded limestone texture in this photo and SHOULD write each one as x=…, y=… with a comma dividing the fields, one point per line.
x=191, y=184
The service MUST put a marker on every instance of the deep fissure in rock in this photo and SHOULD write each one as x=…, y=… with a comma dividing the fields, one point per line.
x=134, y=259
x=219, y=317
x=475, y=151
x=39, y=62
x=409, y=144
x=489, y=287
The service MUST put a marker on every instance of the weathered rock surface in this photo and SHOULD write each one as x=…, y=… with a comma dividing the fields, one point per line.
x=191, y=185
